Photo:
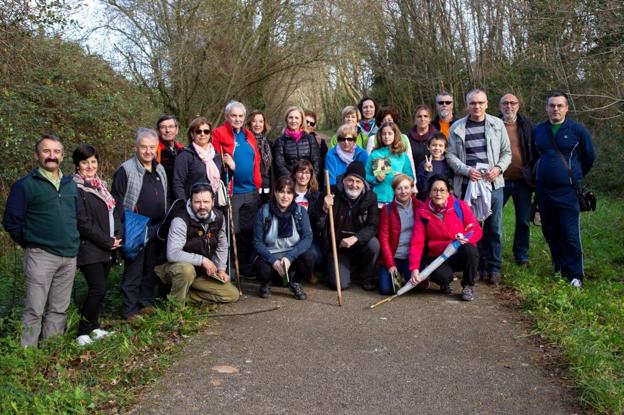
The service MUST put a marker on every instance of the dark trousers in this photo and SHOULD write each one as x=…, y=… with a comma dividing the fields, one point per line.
x=139, y=279
x=466, y=259
x=359, y=258
x=244, y=209
x=559, y=211
x=96, y=275
x=300, y=269
x=520, y=192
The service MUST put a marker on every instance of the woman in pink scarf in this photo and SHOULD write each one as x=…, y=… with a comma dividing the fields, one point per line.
x=199, y=162
x=294, y=145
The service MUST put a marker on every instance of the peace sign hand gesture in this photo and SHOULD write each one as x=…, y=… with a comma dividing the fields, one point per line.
x=428, y=166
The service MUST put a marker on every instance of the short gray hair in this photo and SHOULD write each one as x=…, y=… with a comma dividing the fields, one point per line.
x=473, y=92
x=234, y=104
x=142, y=132
x=442, y=94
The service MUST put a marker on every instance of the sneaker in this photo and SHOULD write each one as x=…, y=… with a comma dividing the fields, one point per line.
x=83, y=340
x=496, y=279
x=145, y=311
x=296, y=289
x=576, y=283
x=446, y=289
x=265, y=290
x=522, y=262
x=467, y=293
x=98, y=334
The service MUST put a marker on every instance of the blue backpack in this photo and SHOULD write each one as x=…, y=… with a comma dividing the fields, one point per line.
x=135, y=234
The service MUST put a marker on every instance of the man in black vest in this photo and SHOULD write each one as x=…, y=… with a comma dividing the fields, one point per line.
x=197, y=251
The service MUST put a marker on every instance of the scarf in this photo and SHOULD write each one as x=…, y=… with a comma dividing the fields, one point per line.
x=284, y=219
x=266, y=156
x=212, y=172
x=367, y=125
x=295, y=135
x=420, y=138
x=346, y=157
x=99, y=186
x=438, y=211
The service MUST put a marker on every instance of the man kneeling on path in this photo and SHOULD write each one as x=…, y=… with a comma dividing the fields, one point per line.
x=197, y=251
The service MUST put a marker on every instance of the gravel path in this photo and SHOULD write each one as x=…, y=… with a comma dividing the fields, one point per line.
x=424, y=353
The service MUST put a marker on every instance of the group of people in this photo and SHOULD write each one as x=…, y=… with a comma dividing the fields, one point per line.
x=396, y=200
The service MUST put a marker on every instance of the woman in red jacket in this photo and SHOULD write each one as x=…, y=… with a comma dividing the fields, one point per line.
x=439, y=222
x=396, y=221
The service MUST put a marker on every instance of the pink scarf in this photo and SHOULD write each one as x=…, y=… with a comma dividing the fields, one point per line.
x=212, y=172
x=99, y=186
x=295, y=135
x=440, y=211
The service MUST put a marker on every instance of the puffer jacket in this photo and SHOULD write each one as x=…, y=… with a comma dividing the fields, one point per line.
x=286, y=152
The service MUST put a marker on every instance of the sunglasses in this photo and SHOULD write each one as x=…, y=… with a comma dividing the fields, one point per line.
x=445, y=102
x=311, y=123
x=341, y=139
x=206, y=131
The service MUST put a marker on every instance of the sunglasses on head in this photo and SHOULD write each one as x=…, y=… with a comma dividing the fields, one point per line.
x=311, y=123
x=445, y=102
x=341, y=139
x=206, y=131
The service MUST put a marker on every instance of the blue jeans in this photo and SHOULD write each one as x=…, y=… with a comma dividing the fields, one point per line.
x=490, y=246
x=385, y=282
x=521, y=193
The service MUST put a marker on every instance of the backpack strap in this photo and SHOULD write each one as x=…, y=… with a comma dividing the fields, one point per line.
x=458, y=211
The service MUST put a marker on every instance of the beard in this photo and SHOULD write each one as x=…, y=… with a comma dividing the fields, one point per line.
x=203, y=214
x=353, y=194
x=445, y=113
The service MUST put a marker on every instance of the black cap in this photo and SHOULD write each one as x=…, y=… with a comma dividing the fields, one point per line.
x=356, y=169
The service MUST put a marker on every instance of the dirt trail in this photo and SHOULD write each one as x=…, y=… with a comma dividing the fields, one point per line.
x=424, y=353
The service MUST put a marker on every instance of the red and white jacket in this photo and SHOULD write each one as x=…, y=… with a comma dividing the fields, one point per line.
x=390, y=230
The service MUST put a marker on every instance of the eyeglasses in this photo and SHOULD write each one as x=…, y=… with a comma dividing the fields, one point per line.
x=311, y=123
x=445, y=102
x=304, y=173
x=510, y=103
x=341, y=139
x=205, y=132
x=439, y=190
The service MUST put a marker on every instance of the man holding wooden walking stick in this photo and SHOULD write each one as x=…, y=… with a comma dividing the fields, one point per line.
x=356, y=218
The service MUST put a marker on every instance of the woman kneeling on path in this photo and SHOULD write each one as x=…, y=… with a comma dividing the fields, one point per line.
x=396, y=222
x=282, y=239
x=439, y=222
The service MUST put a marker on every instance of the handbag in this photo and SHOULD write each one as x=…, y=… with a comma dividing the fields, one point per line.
x=135, y=233
x=587, y=199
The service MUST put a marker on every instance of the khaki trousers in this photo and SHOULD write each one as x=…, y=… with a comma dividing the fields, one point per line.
x=186, y=284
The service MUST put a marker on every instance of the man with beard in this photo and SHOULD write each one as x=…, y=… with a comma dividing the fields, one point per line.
x=197, y=251
x=445, y=118
x=356, y=218
x=40, y=216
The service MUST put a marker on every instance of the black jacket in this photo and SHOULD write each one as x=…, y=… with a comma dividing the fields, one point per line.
x=364, y=209
x=94, y=228
x=190, y=169
x=286, y=152
x=525, y=135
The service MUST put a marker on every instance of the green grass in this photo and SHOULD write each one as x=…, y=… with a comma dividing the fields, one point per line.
x=588, y=324
x=60, y=377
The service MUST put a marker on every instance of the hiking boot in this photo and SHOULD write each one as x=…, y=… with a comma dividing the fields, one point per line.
x=522, y=262
x=369, y=285
x=496, y=279
x=265, y=290
x=146, y=311
x=576, y=283
x=446, y=289
x=467, y=293
x=296, y=289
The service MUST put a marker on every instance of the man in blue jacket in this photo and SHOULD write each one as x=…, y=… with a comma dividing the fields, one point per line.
x=40, y=216
x=555, y=190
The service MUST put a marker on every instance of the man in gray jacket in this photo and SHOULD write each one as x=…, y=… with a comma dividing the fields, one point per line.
x=197, y=251
x=481, y=139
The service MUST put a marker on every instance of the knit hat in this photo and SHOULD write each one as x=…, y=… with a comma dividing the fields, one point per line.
x=356, y=169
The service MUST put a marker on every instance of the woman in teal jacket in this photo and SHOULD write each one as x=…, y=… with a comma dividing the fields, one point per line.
x=386, y=160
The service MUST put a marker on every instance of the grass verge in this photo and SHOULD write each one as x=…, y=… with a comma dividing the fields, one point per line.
x=104, y=377
x=589, y=323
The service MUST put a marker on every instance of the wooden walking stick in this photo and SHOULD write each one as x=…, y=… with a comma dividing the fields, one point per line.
x=333, y=241
x=239, y=281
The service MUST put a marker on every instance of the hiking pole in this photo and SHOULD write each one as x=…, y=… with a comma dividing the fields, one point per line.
x=228, y=200
x=333, y=241
x=448, y=252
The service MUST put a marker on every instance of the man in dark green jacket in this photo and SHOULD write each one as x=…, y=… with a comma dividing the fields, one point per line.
x=41, y=217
